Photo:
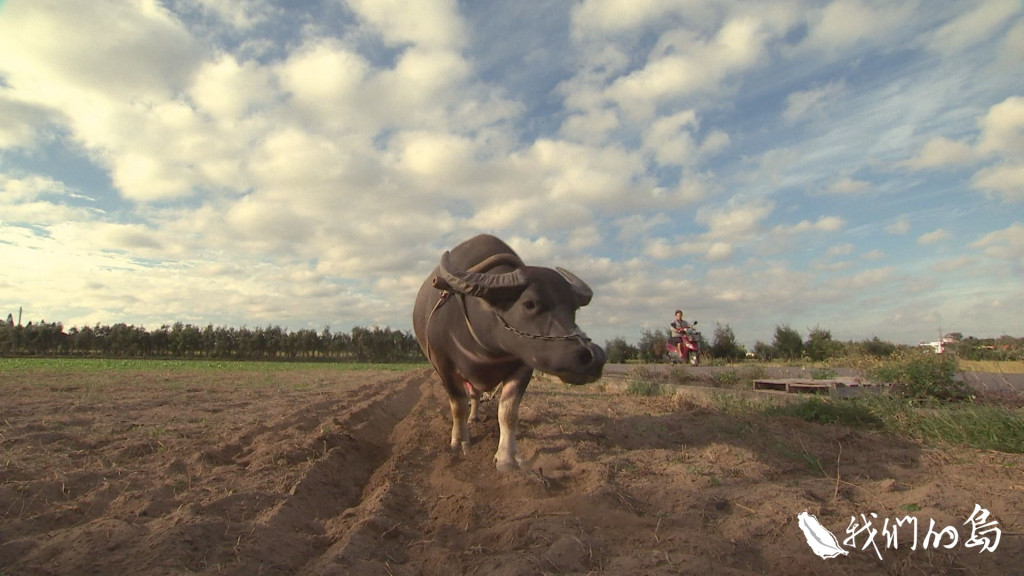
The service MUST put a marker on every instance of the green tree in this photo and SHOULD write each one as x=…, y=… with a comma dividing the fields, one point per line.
x=877, y=348
x=619, y=351
x=652, y=345
x=725, y=345
x=763, y=351
x=820, y=346
x=787, y=344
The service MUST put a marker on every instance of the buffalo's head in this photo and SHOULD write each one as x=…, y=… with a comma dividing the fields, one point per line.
x=533, y=315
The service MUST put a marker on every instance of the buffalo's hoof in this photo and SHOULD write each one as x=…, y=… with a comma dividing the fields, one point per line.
x=506, y=465
x=459, y=448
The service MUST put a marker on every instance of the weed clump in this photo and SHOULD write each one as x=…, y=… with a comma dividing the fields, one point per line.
x=644, y=382
x=922, y=375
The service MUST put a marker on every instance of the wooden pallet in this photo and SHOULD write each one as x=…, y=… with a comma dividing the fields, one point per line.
x=842, y=387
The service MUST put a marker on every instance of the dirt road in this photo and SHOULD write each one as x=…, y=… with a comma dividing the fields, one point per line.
x=333, y=472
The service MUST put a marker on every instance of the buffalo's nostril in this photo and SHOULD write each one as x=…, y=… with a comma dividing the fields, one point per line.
x=586, y=357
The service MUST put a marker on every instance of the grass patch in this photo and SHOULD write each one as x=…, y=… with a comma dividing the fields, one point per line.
x=825, y=411
x=71, y=365
x=982, y=426
x=643, y=381
x=993, y=366
x=645, y=388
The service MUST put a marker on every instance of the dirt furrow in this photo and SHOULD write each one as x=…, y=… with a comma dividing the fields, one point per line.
x=306, y=522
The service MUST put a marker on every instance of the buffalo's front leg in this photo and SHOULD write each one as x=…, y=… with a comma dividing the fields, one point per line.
x=506, y=458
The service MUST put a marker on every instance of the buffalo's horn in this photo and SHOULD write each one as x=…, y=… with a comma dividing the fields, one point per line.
x=478, y=284
x=583, y=292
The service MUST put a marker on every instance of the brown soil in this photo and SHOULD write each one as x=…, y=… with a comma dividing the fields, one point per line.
x=335, y=472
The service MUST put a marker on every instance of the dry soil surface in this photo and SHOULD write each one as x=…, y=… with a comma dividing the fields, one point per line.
x=340, y=472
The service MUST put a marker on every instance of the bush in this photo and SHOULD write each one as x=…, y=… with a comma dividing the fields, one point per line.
x=922, y=374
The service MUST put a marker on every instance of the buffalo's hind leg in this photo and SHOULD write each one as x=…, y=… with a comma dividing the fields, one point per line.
x=460, y=428
x=459, y=402
x=507, y=457
x=474, y=403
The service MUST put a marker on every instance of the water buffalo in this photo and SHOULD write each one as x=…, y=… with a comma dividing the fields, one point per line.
x=485, y=319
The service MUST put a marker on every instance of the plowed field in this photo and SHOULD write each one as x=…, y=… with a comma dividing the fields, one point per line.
x=324, y=471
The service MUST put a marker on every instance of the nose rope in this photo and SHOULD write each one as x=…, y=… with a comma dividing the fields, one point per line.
x=576, y=333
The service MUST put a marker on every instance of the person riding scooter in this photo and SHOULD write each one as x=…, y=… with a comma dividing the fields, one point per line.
x=678, y=328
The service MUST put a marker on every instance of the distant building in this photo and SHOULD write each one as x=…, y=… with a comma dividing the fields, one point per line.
x=939, y=346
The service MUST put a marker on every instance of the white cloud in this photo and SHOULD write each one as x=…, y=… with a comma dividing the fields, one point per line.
x=270, y=159
x=228, y=90
x=899, y=227
x=432, y=24
x=844, y=23
x=848, y=186
x=638, y=225
x=941, y=152
x=740, y=218
x=671, y=138
x=1006, y=181
x=610, y=17
x=239, y=14
x=841, y=250
x=1002, y=138
x=867, y=279
x=1005, y=244
x=719, y=251
x=135, y=51
x=973, y=27
x=683, y=64
x=934, y=237
x=591, y=127
x=811, y=102
x=1003, y=129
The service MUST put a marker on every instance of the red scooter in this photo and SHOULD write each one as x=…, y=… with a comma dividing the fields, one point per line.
x=690, y=346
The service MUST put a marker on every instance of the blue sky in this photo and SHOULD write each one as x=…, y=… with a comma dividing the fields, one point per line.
x=856, y=165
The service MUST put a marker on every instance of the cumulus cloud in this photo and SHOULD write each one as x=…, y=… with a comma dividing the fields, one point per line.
x=247, y=156
x=1002, y=138
x=738, y=219
x=1003, y=129
x=683, y=64
x=433, y=24
x=941, y=152
x=1006, y=244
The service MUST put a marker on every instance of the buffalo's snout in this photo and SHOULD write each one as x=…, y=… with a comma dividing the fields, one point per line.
x=587, y=364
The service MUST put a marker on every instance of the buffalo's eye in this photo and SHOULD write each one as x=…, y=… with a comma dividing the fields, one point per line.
x=530, y=305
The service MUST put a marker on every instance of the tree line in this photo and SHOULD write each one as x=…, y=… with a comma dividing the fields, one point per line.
x=819, y=345
x=377, y=345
